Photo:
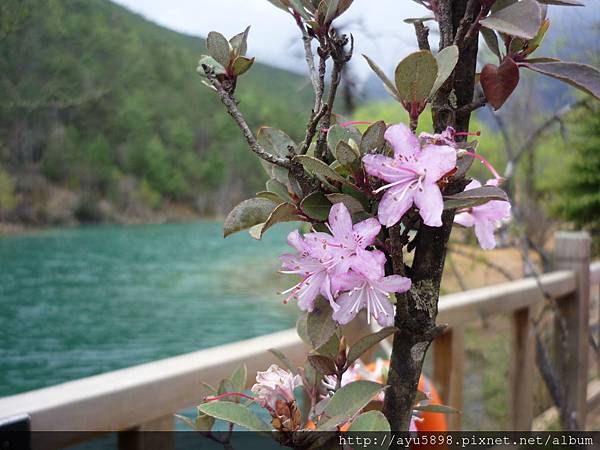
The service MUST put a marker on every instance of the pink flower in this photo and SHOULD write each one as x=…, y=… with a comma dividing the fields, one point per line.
x=339, y=251
x=321, y=256
x=412, y=176
x=275, y=384
x=369, y=288
x=315, y=277
x=485, y=218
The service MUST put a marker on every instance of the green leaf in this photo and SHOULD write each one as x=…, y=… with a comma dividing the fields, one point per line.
x=239, y=378
x=320, y=325
x=347, y=401
x=415, y=76
x=226, y=386
x=186, y=420
x=346, y=155
x=316, y=206
x=204, y=422
x=278, y=188
x=373, y=138
x=412, y=20
x=491, y=40
x=285, y=360
x=234, y=413
x=323, y=364
x=211, y=62
x=366, y=342
x=247, y=214
x=353, y=205
x=269, y=196
x=474, y=197
x=239, y=43
x=371, y=421
x=286, y=212
x=275, y=141
x=521, y=19
x=218, y=48
x=446, y=62
x=256, y=231
x=442, y=409
x=337, y=134
x=330, y=348
x=241, y=65
x=562, y=2
x=383, y=77
x=318, y=167
x=280, y=4
x=581, y=76
x=302, y=329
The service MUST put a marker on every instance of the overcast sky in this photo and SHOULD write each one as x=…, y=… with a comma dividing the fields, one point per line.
x=377, y=26
x=274, y=37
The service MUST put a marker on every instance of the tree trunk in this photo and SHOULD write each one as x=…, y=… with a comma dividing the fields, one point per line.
x=416, y=310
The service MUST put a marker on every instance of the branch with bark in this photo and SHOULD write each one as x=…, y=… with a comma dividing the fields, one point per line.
x=231, y=105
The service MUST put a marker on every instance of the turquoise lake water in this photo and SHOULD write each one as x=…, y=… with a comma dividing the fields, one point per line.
x=78, y=302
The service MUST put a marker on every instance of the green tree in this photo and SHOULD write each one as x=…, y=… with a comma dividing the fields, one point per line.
x=581, y=200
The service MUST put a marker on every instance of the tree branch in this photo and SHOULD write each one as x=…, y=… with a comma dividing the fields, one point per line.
x=474, y=105
x=231, y=105
x=532, y=139
x=422, y=33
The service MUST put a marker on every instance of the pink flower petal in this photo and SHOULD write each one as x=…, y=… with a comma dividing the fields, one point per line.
x=465, y=219
x=340, y=221
x=367, y=231
x=347, y=309
x=431, y=204
x=403, y=141
x=394, y=204
x=484, y=230
x=394, y=283
x=437, y=160
x=384, y=168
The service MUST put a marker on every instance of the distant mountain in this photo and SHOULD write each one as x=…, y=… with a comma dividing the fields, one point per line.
x=102, y=114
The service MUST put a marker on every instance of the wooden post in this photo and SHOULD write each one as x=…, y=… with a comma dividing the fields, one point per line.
x=448, y=372
x=521, y=365
x=572, y=252
x=155, y=435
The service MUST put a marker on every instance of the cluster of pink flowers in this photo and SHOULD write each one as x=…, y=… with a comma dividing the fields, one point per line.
x=344, y=266
x=341, y=267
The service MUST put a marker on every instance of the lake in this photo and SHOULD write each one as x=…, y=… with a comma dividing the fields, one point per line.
x=82, y=301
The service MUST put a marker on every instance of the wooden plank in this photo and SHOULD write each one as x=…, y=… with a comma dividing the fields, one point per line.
x=448, y=372
x=124, y=398
x=521, y=370
x=572, y=252
x=470, y=306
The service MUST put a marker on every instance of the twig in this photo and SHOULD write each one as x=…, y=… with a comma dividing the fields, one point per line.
x=456, y=273
x=529, y=143
x=311, y=129
x=474, y=105
x=422, y=33
x=231, y=105
x=340, y=58
x=444, y=19
x=468, y=23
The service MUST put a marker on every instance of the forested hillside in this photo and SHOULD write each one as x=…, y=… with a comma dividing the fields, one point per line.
x=103, y=117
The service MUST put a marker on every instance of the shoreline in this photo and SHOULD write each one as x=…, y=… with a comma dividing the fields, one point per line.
x=8, y=229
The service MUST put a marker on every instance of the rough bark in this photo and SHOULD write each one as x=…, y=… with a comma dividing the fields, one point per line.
x=417, y=309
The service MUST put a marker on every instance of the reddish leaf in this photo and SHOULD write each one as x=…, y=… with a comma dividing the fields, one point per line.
x=582, y=76
x=499, y=82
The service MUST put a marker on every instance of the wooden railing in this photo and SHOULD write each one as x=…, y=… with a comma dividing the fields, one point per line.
x=146, y=396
